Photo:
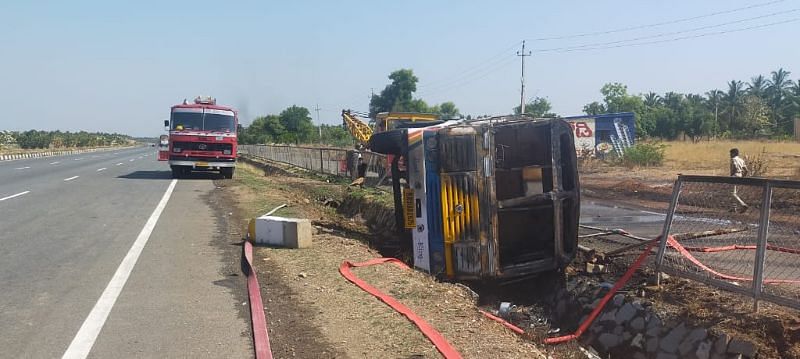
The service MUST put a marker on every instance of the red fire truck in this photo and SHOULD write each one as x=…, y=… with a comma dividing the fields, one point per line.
x=202, y=137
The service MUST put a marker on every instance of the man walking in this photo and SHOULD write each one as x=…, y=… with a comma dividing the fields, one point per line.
x=738, y=169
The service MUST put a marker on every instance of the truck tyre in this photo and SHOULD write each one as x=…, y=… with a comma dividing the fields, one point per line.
x=227, y=172
x=392, y=142
x=176, y=171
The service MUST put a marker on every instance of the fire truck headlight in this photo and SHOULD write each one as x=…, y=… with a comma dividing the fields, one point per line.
x=176, y=149
x=226, y=152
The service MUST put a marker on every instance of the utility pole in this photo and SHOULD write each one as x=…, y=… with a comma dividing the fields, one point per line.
x=318, y=122
x=522, y=79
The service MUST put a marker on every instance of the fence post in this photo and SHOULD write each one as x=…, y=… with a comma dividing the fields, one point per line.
x=662, y=247
x=321, y=167
x=761, y=246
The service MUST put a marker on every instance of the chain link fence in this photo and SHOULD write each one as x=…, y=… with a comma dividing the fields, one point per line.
x=332, y=161
x=739, y=234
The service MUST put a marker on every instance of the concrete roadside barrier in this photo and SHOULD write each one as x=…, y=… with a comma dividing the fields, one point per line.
x=281, y=231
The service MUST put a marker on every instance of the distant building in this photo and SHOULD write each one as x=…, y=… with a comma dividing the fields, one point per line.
x=600, y=135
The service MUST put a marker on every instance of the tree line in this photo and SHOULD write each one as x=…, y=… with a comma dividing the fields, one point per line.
x=292, y=126
x=57, y=139
x=766, y=107
x=295, y=126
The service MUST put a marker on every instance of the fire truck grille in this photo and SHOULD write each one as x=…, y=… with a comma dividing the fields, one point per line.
x=203, y=146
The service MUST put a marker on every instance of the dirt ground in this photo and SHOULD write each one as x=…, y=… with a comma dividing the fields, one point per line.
x=313, y=312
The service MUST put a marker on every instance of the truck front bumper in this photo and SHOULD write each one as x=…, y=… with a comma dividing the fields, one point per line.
x=202, y=164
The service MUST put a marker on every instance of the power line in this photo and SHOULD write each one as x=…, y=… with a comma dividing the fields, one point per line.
x=671, y=33
x=673, y=39
x=501, y=65
x=669, y=22
x=471, y=69
x=491, y=67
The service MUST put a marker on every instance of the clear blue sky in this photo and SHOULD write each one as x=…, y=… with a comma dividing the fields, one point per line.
x=104, y=66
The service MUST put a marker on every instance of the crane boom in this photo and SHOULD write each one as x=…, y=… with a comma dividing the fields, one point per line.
x=357, y=128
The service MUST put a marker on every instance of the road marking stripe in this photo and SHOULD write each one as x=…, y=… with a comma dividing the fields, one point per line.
x=90, y=329
x=132, y=159
x=14, y=195
x=55, y=163
x=71, y=178
x=23, y=168
x=118, y=164
x=101, y=169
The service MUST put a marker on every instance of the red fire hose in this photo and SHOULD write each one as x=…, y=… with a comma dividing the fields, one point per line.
x=629, y=273
x=434, y=336
x=259, y=320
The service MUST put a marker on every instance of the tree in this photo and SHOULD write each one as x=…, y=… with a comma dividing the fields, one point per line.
x=538, y=107
x=778, y=98
x=758, y=86
x=296, y=121
x=396, y=96
x=755, y=116
x=732, y=101
x=447, y=110
x=652, y=99
x=594, y=108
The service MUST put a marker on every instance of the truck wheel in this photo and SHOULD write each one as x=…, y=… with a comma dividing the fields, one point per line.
x=227, y=172
x=176, y=171
x=392, y=142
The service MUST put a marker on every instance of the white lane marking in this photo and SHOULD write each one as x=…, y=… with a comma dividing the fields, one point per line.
x=655, y=213
x=71, y=178
x=118, y=164
x=78, y=159
x=23, y=168
x=132, y=159
x=101, y=169
x=116, y=153
x=55, y=163
x=14, y=195
x=82, y=343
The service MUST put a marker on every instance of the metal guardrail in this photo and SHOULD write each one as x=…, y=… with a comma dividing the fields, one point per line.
x=738, y=234
x=332, y=161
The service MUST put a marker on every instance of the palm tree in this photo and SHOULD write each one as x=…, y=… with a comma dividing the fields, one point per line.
x=672, y=100
x=652, y=99
x=779, y=80
x=732, y=101
x=777, y=96
x=758, y=86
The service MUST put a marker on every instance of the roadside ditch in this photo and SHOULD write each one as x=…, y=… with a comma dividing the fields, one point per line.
x=642, y=321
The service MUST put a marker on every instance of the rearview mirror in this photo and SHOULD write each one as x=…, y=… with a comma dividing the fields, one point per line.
x=166, y=123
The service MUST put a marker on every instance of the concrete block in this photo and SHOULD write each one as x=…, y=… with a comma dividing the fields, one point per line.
x=281, y=231
x=625, y=314
x=738, y=346
x=721, y=344
x=608, y=340
x=703, y=350
x=670, y=342
x=637, y=324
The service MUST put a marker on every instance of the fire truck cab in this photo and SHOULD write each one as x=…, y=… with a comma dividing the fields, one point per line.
x=202, y=137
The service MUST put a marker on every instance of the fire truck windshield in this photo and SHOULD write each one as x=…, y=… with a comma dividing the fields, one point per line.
x=199, y=121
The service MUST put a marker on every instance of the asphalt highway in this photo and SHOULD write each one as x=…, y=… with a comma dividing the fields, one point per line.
x=104, y=255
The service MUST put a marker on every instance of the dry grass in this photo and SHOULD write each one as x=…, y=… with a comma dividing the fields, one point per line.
x=712, y=156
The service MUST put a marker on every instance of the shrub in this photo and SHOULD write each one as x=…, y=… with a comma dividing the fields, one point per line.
x=644, y=155
x=757, y=164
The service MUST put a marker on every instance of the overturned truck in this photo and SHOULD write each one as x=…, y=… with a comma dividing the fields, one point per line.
x=488, y=199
